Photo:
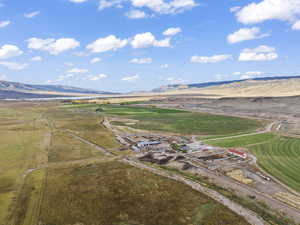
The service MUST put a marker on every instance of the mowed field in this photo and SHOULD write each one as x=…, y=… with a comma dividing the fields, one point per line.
x=243, y=141
x=177, y=121
x=281, y=159
x=277, y=155
x=48, y=177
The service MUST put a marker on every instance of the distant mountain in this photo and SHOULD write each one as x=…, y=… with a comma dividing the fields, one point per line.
x=217, y=83
x=20, y=90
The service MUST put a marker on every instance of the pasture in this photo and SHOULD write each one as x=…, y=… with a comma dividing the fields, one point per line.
x=24, y=136
x=114, y=193
x=243, y=141
x=281, y=159
x=176, y=121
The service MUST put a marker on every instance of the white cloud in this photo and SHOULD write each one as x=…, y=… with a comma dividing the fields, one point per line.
x=131, y=78
x=164, y=66
x=136, y=14
x=9, y=51
x=36, y=58
x=261, y=53
x=78, y=1
x=103, y=4
x=296, y=25
x=4, y=23
x=172, y=31
x=251, y=74
x=32, y=14
x=146, y=40
x=141, y=60
x=53, y=46
x=157, y=6
x=175, y=80
x=3, y=77
x=286, y=10
x=246, y=34
x=210, y=59
x=77, y=70
x=162, y=7
x=235, y=9
x=68, y=64
x=109, y=43
x=95, y=60
x=98, y=77
x=236, y=73
x=248, y=75
x=13, y=65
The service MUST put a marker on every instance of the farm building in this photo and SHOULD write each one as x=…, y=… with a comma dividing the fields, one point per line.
x=144, y=144
x=237, y=153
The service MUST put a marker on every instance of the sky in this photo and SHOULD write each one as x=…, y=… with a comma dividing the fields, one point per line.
x=133, y=45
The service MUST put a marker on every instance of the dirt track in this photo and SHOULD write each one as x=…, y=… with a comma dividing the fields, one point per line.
x=250, y=216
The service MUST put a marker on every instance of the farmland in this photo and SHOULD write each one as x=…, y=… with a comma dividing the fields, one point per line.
x=24, y=138
x=281, y=159
x=177, y=121
x=114, y=193
x=277, y=155
x=49, y=177
x=242, y=141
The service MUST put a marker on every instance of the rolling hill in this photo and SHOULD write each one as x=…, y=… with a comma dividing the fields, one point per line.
x=269, y=87
x=15, y=90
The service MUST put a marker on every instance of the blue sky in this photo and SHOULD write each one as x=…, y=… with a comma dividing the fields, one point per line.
x=127, y=45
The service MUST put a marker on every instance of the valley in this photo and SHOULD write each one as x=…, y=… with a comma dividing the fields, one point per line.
x=85, y=154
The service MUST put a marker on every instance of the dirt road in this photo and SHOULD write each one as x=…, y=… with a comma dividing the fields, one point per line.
x=250, y=216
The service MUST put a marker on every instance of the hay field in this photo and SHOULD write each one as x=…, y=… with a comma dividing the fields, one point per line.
x=231, y=142
x=281, y=159
x=175, y=121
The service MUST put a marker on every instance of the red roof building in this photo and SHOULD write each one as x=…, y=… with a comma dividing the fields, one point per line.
x=235, y=152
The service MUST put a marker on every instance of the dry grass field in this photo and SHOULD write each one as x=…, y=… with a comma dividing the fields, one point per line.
x=114, y=193
x=24, y=137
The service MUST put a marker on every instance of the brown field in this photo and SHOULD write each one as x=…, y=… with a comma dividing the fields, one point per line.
x=114, y=193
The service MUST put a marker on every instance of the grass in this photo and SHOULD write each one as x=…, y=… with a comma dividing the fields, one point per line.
x=86, y=124
x=281, y=159
x=23, y=138
x=183, y=122
x=65, y=148
x=115, y=193
x=250, y=203
x=27, y=211
x=242, y=141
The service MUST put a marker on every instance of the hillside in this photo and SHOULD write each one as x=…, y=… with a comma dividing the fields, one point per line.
x=218, y=83
x=15, y=90
x=271, y=87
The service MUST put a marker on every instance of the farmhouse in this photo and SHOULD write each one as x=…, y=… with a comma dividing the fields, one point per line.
x=237, y=153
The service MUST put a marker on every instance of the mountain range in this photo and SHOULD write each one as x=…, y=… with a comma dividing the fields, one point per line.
x=265, y=86
x=16, y=90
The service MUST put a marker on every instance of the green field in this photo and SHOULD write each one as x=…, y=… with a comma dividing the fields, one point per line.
x=175, y=121
x=242, y=141
x=281, y=158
